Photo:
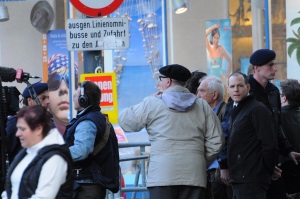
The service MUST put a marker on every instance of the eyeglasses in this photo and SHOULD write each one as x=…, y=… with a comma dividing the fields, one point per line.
x=161, y=77
x=55, y=81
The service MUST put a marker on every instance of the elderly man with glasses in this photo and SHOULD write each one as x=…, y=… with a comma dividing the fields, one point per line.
x=185, y=136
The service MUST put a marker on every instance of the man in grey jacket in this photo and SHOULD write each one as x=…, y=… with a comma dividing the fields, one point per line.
x=185, y=135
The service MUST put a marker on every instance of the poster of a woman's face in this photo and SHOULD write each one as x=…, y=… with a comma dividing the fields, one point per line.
x=58, y=85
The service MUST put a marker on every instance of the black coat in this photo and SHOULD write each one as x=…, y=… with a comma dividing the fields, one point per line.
x=252, y=148
x=270, y=97
x=290, y=124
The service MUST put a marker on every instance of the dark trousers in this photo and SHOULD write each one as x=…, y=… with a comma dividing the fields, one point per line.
x=90, y=191
x=276, y=190
x=216, y=189
x=250, y=190
x=177, y=192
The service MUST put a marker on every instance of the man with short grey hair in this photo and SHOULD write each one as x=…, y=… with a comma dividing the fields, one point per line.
x=211, y=90
x=185, y=135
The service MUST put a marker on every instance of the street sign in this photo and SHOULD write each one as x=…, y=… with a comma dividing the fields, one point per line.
x=98, y=8
x=97, y=34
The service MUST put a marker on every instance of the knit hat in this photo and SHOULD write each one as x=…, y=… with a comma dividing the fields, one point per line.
x=176, y=71
x=38, y=87
x=262, y=57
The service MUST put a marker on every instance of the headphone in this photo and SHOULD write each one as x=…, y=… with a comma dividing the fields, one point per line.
x=83, y=99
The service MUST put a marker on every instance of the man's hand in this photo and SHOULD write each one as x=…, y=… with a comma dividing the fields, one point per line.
x=295, y=157
x=277, y=173
x=157, y=93
x=225, y=177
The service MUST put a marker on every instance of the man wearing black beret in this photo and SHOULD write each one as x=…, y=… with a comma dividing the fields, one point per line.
x=264, y=66
x=185, y=136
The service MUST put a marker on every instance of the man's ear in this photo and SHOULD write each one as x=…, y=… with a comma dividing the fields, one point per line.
x=215, y=95
x=248, y=87
x=284, y=100
x=255, y=68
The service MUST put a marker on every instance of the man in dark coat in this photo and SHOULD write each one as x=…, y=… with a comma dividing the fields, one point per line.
x=252, y=148
x=264, y=66
x=290, y=124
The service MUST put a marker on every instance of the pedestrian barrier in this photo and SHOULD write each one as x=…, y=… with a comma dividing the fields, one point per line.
x=140, y=171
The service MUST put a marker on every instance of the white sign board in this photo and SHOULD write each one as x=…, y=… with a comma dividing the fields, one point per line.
x=97, y=34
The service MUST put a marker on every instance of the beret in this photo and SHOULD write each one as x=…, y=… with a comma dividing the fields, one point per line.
x=176, y=71
x=38, y=87
x=262, y=57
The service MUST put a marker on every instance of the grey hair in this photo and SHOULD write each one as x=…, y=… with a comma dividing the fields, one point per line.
x=214, y=84
x=178, y=82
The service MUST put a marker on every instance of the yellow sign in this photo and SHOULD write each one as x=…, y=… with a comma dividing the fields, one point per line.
x=108, y=86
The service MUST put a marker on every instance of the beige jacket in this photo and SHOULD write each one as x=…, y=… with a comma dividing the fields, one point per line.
x=183, y=142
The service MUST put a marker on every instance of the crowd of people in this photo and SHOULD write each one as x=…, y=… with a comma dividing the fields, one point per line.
x=256, y=153
x=208, y=140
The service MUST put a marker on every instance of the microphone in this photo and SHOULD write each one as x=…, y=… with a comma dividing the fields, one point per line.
x=10, y=74
x=7, y=74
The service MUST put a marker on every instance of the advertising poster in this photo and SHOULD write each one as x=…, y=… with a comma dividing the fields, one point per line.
x=109, y=102
x=136, y=67
x=219, y=48
x=55, y=63
x=120, y=135
x=293, y=40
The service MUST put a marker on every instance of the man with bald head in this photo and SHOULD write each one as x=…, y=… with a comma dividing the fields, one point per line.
x=211, y=90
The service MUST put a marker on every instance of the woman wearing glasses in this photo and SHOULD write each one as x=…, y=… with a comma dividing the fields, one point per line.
x=58, y=84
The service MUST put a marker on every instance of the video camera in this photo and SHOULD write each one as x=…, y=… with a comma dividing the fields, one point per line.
x=11, y=94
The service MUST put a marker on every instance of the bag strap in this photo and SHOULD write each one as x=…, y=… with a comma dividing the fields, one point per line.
x=103, y=141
